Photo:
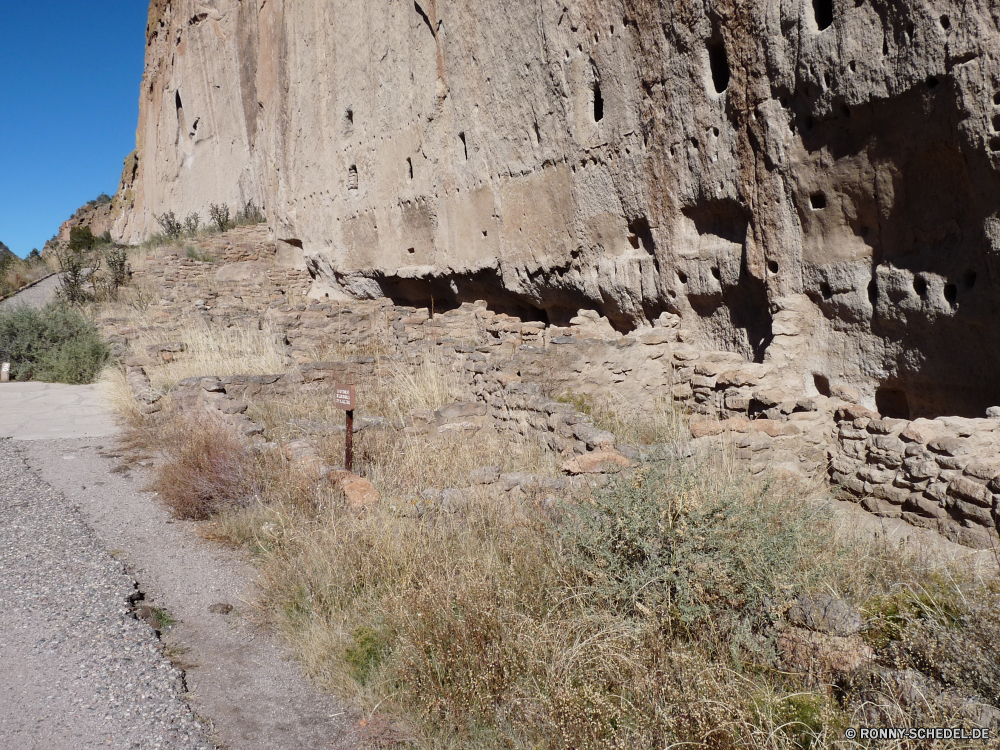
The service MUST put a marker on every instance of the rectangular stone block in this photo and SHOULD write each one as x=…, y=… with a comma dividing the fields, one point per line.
x=894, y=495
x=970, y=490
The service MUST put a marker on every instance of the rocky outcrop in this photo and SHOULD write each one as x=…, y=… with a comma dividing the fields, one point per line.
x=97, y=215
x=812, y=183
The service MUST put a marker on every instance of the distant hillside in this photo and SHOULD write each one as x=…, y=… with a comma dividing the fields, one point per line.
x=5, y=251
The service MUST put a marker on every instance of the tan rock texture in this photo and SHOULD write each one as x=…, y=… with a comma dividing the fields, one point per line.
x=808, y=182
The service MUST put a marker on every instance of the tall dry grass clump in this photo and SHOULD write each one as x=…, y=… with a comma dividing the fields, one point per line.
x=246, y=348
x=207, y=470
x=250, y=348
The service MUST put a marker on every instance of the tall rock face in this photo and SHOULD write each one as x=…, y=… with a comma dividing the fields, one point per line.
x=810, y=181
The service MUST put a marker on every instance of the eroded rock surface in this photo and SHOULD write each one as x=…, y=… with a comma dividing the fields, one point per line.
x=812, y=182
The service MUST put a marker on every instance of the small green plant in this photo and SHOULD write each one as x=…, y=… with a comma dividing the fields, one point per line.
x=250, y=214
x=55, y=344
x=105, y=238
x=170, y=225
x=365, y=653
x=800, y=717
x=219, y=215
x=119, y=271
x=191, y=223
x=192, y=253
x=163, y=618
x=76, y=267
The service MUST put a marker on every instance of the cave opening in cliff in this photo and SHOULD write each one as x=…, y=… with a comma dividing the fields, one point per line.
x=641, y=235
x=598, y=102
x=822, y=384
x=892, y=402
x=823, y=12
x=718, y=63
x=465, y=146
x=450, y=291
x=352, y=178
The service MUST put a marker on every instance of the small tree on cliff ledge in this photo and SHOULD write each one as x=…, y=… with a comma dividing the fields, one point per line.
x=81, y=239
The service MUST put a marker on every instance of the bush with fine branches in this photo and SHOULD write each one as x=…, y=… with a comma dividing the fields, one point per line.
x=220, y=216
x=170, y=225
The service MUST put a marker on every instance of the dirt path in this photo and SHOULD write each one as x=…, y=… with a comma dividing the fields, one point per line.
x=240, y=679
x=67, y=505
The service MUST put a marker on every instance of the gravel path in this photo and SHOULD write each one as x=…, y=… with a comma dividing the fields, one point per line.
x=37, y=296
x=241, y=679
x=79, y=670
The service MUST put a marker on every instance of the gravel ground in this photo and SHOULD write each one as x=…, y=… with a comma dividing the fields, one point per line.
x=241, y=679
x=37, y=296
x=79, y=670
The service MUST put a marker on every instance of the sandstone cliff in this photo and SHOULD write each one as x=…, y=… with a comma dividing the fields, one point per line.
x=813, y=182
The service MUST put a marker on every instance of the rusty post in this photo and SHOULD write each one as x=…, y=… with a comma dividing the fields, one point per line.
x=349, y=443
x=344, y=398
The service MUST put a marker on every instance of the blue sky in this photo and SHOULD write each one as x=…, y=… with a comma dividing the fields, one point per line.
x=69, y=105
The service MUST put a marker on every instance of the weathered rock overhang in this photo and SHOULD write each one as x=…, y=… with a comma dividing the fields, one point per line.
x=812, y=184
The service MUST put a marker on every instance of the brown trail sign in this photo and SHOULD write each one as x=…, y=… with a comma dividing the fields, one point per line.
x=343, y=398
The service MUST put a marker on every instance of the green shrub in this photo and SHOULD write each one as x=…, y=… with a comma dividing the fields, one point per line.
x=119, y=270
x=76, y=268
x=191, y=223
x=365, y=652
x=192, y=253
x=250, y=214
x=55, y=344
x=711, y=563
x=81, y=239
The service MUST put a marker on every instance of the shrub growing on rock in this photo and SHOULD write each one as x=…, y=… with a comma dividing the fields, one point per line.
x=220, y=216
x=81, y=239
x=170, y=225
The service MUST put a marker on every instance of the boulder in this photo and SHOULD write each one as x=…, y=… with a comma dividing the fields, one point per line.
x=358, y=491
x=824, y=613
x=599, y=462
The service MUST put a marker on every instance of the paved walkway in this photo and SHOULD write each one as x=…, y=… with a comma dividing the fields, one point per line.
x=52, y=411
x=37, y=296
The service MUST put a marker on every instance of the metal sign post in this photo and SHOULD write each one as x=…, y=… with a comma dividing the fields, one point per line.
x=344, y=399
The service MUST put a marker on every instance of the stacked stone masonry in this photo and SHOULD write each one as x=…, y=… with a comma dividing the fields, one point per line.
x=939, y=474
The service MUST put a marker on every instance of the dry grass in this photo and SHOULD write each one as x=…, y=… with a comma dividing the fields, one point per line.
x=248, y=348
x=117, y=394
x=393, y=394
x=648, y=424
x=20, y=274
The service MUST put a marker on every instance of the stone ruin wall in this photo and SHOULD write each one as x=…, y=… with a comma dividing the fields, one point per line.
x=811, y=184
x=941, y=474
